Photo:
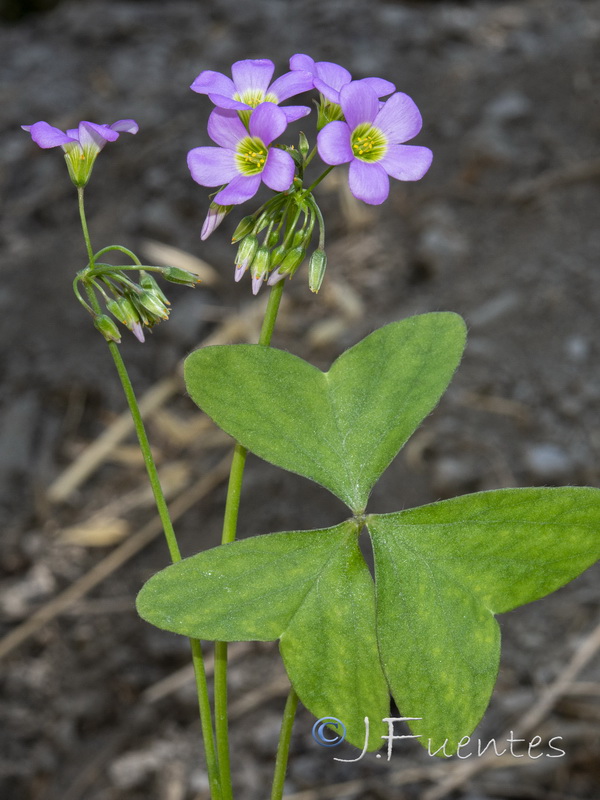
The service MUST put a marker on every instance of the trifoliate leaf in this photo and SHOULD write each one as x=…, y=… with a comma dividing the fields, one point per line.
x=341, y=428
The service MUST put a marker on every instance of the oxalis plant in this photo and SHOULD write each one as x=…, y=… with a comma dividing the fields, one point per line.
x=423, y=628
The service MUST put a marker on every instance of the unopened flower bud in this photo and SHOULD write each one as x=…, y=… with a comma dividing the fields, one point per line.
x=272, y=239
x=260, y=268
x=245, y=255
x=124, y=311
x=107, y=328
x=147, y=282
x=288, y=266
x=303, y=145
x=277, y=255
x=138, y=332
x=292, y=260
x=299, y=237
x=153, y=304
x=316, y=270
x=215, y=216
x=243, y=229
x=176, y=275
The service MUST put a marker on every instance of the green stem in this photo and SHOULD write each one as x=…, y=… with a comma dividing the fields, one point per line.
x=163, y=511
x=230, y=519
x=120, y=249
x=318, y=181
x=283, y=749
x=84, y=227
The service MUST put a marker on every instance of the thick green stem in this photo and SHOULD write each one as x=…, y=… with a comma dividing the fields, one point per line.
x=284, y=745
x=232, y=506
x=163, y=511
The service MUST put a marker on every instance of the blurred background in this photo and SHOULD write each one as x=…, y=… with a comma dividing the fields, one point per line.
x=503, y=230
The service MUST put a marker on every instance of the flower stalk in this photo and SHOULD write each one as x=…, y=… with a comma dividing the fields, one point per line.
x=165, y=518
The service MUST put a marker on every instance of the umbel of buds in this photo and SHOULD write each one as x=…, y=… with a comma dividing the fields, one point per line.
x=136, y=305
x=274, y=241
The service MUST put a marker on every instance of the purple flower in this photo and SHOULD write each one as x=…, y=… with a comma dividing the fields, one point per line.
x=251, y=86
x=244, y=158
x=372, y=140
x=328, y=78
x=81, y=144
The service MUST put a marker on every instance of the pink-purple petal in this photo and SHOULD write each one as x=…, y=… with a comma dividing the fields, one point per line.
x=325, y=89
x=406, y=162
x=333, y=143
x=267, y=122
x=278, y=172
x=399, y=119
x=369, y=182
x=241, y=188
x=252, y=75
x=292, y=113
x=209, y=82
x=359, y=103
x=291, y=84
x=225, y=128
x=125, y=126
x=95, y=136
x=302, y=61
x=212, y=166
x=226, y=102
x=47, y=136
x=332, y=74
x=380, y=86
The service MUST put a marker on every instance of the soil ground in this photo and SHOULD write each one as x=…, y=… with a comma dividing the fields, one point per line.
x=503, y=230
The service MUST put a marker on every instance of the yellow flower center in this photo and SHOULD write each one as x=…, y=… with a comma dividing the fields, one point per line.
x=251, y=155
x=368, y=142
x=254, y=97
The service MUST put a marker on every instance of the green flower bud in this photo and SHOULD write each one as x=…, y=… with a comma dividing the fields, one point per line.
x=153, y=304
x=303, y=145
x=316, y=270
x=107, y=328
x=299, y=237
x=272, y=239
x=260, y=268
x=125, y=311
x=277, y=255
x=147, y=282
x=261, y=262
x=176, y=275
x=245, y=255
x=243, y=229
x=292, y=260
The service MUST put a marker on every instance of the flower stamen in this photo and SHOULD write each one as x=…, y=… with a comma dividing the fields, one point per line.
x=251, y=155
x=368, y=143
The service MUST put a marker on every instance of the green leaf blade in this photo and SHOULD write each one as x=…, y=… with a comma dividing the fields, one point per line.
x=443, y=570
x=342, y=428
x=310, y=589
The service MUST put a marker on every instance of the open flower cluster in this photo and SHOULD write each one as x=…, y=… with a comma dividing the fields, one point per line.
x=356, y=126
x=363, y=123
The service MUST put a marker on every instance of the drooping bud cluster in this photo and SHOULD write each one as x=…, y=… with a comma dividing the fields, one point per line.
x=137, y=305
x=274, y=241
